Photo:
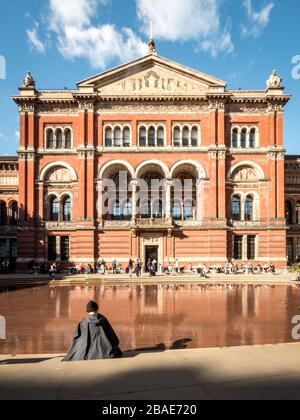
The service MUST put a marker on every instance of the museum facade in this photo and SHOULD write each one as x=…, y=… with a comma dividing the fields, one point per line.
x=151, y=119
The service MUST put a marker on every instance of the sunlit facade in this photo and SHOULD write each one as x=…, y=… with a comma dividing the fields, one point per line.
x=150, y=119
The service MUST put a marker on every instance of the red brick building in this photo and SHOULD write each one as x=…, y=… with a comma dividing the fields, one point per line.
x=153, y=119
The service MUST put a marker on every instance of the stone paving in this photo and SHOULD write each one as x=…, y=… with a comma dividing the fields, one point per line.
x=258, y=372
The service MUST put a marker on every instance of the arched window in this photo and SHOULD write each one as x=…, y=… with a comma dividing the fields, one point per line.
x=234, y=139
x=50, y=139
x=108, y=137
x=68, y=139
x=244, y=138
x=54, y=209
x=160, y=137
x=236, y=208
x=151, y=137
x=117, y=137
x=67, y=209
x=127, y=211
x=59, y=139
x=157, y=210
x=289, y=213
x=249, y=209
x=117, y=211
x=143, y=137
x=146, y=210
x=185, y=137
x=14, y=213
x=176, y=210
x=188, y=210
x=252, y=138
x=126, y=137
x=195, y=137
x=177, y=140
x=3, y=214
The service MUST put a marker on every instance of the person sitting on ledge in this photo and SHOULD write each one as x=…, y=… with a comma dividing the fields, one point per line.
x=95, y=338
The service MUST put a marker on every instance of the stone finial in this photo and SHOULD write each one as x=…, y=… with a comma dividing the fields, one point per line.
x=28, y=81
x=274, y=81
x=151, y=43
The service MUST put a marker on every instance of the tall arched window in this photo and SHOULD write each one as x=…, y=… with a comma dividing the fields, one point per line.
x=127, y=211
x=108, y=137
x=151, y=137
x=146, y=210
x=188, y=210
x=157, y=210
x=126, y=137
x=185, y=137
x=176, y=210
x=177, y=140
x=289, y=213
x=59, y=139
x=244, y=138
x=14, y=213
x=68, y=139
x=249, y=209
x=3, y=213
x=160, y=137
x=143, y=137
x=252, y=138
x=234, y=139
x=117, y=211
x=67, y=209
x=50, y=139
x=236, y=208
x=195, y=136
x=117, y=137
x=54, y=209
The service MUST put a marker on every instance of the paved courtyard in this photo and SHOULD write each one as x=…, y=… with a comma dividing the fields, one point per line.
x=259, y=372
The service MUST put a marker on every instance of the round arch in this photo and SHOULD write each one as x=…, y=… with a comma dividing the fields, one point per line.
x=119, y=162
x=153, y=162
x=200, y=170
x=53, y=165
x=260, y=173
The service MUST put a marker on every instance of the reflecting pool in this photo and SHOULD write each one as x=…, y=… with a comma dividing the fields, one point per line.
x=44, y=319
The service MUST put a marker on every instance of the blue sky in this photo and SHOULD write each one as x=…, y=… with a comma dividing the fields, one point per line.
x=64, y=41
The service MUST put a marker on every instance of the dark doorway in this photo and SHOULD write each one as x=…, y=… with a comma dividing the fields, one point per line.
x=151, y=254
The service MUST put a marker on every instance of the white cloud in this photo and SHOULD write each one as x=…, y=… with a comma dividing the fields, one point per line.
x=258, y=20
x=188, y=20
x=78, y=37
x=17, y=134
x=34, y=40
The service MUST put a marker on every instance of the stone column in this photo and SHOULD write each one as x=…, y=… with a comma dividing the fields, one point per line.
x=133, y=199
x=168, y=200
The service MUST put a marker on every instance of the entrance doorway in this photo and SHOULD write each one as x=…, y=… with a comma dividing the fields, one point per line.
x=151, y=253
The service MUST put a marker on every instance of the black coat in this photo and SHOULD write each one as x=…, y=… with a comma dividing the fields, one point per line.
x=95, y=339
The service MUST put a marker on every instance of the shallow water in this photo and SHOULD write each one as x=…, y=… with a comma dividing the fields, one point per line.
x=44, y=319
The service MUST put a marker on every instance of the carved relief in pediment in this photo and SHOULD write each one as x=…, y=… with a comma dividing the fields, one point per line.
x=154, y=82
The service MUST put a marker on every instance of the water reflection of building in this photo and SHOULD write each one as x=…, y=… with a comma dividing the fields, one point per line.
x=144, y=316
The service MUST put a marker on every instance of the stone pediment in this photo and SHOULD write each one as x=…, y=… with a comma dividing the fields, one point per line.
x=153, y=76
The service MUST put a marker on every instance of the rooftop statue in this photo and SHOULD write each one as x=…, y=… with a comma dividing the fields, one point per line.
x=274, y=81
x=28, y=81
